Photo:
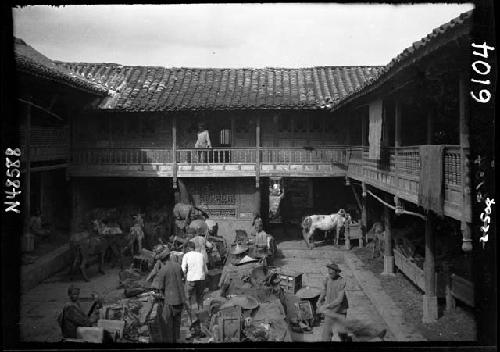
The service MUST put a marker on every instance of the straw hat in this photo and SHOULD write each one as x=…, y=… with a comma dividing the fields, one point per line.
x=308, y=292
x=238, y=249
x=164, y=254
x=245, y=302
x=247, y=259
x=333, y=266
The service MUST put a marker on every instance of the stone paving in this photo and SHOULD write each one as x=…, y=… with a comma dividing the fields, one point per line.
x=40, y=305
x=312, y=263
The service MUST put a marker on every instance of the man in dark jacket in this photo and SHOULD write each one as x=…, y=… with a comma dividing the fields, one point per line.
x=72, y=315
x=169, y=282
x=333, y=300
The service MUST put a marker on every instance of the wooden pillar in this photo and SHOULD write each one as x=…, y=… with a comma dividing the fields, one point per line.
x=430, y=304
x=276, y=118
x=450, y=300
x=385, y=125
x=174, y=151
x=360, y=206
x=464, y=147
x=363, y=128
x=388, y=254
x=257, y=153
x=364, y=220
x=27, y=174
x=397, y=139
x=397, y=124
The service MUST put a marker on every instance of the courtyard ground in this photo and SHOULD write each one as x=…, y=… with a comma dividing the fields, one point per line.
x=456, y=326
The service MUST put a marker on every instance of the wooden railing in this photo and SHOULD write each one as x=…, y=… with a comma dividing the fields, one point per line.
x=406, y=160
x=48, y=152
x=121, y=156
x=313, y=155
x=101, y=156
x=216, y=156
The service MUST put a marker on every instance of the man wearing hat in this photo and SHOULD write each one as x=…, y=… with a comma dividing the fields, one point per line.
x=333, y=300
x=169, y=282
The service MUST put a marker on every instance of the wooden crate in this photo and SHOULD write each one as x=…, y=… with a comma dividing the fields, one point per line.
x=230, y=324
x=462, y=289
x=290, y=282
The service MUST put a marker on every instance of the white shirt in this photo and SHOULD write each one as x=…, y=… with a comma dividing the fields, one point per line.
x=194, y=266
x=203, y=140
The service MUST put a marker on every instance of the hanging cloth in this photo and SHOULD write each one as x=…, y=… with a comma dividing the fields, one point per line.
x=430, y=192
x=375, y=129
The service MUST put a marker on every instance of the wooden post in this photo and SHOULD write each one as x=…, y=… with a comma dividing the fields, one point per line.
x=363, y=129
x=360, y=206
x=464, y=146
x=397, y=139
x=388, y=254
x=430, y=304
x=257, y=155
x=174, y=151
x=364, y=219
x=27, y=174
x=276, y=118
x=450, y=300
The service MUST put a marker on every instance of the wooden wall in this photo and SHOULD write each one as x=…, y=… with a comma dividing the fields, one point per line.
x=154, y=130
x=230, y=202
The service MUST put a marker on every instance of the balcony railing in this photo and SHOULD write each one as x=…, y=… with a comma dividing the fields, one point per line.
x=397, y=171
x=103, y=156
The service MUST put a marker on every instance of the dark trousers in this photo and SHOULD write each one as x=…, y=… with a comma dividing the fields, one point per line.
x=171, y=323
x=195, y=289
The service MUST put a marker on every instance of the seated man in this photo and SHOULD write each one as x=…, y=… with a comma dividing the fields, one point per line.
x=264, y=242
x=73, y=316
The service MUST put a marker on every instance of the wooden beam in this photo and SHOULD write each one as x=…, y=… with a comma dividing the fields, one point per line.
x=363, y=128
x=40, y=108
x=397, y=124
x=174, y=150
x=388, y=254
x=385, y=125
x=46, y=168
x=356, y=196
x=364, y=218
x=397, y=138
x=257, y=151
x=430, y=307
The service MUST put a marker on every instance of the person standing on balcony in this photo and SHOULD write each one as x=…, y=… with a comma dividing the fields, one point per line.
x=203, y=142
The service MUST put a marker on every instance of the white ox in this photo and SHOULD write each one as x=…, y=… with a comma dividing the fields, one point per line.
x=324, y=223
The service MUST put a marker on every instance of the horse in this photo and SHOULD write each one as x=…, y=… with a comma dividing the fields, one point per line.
x=86, y=249
x=324, y=223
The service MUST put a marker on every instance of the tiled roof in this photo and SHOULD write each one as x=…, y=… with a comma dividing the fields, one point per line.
x=456, y=28
x=31, y=61
x=142, y=88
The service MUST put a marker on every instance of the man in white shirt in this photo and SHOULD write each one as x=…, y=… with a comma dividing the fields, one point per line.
x=194, y=268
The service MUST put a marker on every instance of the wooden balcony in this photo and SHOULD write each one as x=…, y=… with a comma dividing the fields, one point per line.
x=398, y=172
x=217, y=162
